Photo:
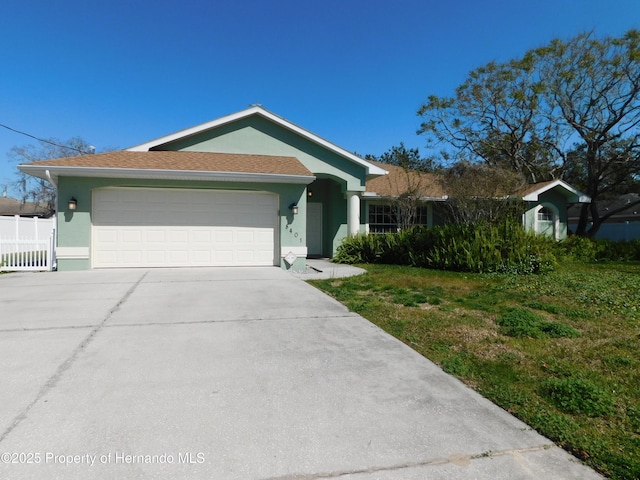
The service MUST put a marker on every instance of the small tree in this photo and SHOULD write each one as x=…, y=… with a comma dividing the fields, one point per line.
x=408, y=159
x=409, y=201
x=411, y=184
x=480, y=193
x=37, y=190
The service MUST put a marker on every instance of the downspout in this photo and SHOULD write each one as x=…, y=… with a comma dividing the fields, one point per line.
x=54, y=240
x=50, y=178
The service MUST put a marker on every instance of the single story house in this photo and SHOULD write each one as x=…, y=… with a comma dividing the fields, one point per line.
x=623, y=217
x=249, y=189
x=12, y=207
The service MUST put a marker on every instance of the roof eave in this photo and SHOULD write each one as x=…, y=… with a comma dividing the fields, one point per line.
x=377, y=196
x=102, y=172
x=571, y=197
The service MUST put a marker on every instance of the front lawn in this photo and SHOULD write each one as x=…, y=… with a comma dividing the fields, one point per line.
x=560, y=351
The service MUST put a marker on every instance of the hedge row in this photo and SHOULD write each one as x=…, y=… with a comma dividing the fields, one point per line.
x=484, y=247
x=587, y=250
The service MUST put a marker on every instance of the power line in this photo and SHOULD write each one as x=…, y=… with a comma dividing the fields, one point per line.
x=43, y=140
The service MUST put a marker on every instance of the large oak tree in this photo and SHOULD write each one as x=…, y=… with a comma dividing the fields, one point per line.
x=569, y=108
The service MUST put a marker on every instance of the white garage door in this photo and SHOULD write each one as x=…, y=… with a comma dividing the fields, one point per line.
x=141, y=227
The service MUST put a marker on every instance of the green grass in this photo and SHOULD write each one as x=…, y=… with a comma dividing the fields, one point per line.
x=561, y=351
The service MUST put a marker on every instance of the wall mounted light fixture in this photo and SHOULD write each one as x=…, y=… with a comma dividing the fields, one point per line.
x=73, y=203
x=294, y=208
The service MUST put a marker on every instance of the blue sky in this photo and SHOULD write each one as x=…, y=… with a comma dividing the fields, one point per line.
x=123, y=72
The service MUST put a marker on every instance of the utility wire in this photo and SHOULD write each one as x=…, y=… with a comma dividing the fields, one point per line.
x=42, y=140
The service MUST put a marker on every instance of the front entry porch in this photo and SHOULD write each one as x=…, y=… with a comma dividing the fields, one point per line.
x=332, y=214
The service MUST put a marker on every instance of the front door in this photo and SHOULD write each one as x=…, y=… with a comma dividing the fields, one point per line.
x=314, y=229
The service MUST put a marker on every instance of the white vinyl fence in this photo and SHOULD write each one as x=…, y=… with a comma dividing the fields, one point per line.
x=27, y=244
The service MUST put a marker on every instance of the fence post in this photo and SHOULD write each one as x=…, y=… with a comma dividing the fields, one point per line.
x=51, y=254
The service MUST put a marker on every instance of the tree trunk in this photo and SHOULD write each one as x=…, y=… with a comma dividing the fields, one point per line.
x=581, y=229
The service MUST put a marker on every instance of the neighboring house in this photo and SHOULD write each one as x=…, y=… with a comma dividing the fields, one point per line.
x=12, y=207
x=249, y=188
x=624, y=225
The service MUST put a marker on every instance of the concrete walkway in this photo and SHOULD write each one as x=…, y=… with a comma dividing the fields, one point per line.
x=323, y=268
x=244, y=373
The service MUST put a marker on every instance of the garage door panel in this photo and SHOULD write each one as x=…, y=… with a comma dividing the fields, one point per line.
x=107, y=235
x=178, y=257
x=246, y=256
x=131, y=236
x=131, y=257
x=201, y=236
x=202, y=257
x=156, y=236
x=224, y=257
x=163, y=227
x=223, y=236
x=156, y=257
x=244, y=237
x=178, y=236
x=106, y=257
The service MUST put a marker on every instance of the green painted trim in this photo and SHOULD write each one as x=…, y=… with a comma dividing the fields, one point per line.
x=69, y=265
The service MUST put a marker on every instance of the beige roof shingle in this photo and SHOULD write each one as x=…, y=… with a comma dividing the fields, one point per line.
x=527, y=189
x=400, y=180
x=185, y=161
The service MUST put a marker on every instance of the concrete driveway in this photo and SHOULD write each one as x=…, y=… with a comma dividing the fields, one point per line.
x=244, y=373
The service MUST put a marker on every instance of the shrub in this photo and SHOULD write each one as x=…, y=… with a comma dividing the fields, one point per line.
x=481, y=248
x=578, y=396
x=587, y=250
x=618, y=251
x=521, y=322
x=358, y=249
x=578, y=248
x=558, y=330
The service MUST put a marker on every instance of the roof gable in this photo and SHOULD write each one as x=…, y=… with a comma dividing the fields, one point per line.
x=532, y=193
x=370, y=168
